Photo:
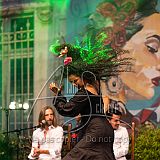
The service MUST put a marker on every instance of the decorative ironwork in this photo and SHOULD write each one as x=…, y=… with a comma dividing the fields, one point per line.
x=17, y=56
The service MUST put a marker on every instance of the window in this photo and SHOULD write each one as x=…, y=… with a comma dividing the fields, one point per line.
x=17, y=49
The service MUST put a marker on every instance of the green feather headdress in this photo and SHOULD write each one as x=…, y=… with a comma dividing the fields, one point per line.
x=93, y=56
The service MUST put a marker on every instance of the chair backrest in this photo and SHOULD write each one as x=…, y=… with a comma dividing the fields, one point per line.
x=69, y=136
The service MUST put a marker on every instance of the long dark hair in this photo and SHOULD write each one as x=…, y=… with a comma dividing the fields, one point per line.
x=85, y=74
x=42, y=115
x=87, y=77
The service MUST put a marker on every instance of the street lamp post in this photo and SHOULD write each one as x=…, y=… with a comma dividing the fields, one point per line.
x=21, y=107
x=13, y=106
x=16, y=106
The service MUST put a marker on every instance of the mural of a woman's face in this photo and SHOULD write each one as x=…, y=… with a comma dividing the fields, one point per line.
x=144, y=47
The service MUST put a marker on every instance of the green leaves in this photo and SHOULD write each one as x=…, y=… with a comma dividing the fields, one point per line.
x=147, y=145
x=7, y=147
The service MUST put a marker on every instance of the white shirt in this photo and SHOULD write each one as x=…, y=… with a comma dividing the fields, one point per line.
x=51, y=142
x=121, y=143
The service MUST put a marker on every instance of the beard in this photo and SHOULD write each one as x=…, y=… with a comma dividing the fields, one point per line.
x=49, y=122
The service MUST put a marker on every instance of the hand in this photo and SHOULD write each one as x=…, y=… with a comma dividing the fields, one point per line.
x=53, y=87
x=63, y=52
x=36, y=152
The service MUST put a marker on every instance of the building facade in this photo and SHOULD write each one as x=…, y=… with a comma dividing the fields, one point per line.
x=27, y=67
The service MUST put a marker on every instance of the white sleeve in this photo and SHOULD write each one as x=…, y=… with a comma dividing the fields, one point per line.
x=123, y=149
x=58, y=141
x=34, y=144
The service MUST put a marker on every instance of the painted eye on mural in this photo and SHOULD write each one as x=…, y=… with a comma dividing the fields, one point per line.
x=151, y=49
x=114, y=85
x=152, y=44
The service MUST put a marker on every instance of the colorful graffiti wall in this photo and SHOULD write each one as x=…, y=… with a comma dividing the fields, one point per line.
x=133, y=25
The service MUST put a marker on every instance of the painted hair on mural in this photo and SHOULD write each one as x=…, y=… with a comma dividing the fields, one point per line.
x=119, y=19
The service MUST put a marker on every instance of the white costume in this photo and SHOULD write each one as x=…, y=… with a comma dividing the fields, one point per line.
x=51, y=142
x=121, y=143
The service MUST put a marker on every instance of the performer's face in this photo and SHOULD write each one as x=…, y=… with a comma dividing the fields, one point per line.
x=144, y=47
x=115, y=121
x=49, y=117
x=76, y=81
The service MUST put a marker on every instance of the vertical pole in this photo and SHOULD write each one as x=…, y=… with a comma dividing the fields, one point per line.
x=132, y=141
x=69, y=136
x=7, y=116
x=18, y=141
x=7, y=130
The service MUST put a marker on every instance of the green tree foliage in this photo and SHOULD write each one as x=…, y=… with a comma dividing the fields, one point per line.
x=147, y=145
x=13, y=148
x=7, y=147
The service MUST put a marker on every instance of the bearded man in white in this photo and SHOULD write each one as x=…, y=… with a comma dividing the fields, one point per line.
x=48, y=138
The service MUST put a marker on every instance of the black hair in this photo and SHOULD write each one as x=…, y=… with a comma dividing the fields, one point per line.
x=86, y=75
x=73, y=70
x=112, y=111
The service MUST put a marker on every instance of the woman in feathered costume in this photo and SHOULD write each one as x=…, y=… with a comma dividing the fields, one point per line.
x=88, y=66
